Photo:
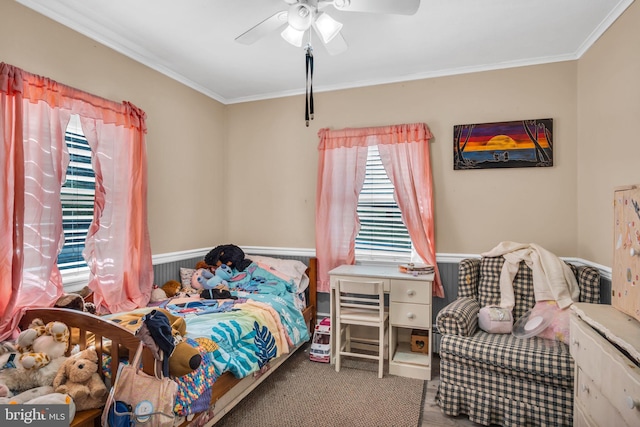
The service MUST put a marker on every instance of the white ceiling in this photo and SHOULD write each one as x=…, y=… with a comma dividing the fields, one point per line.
x=192, y=41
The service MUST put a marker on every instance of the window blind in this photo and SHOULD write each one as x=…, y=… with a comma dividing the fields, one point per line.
x=77, y=195
x=382, y=232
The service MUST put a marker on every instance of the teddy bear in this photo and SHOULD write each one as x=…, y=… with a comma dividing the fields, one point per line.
x=169, y=290
x=78, y=377
x=46, y=347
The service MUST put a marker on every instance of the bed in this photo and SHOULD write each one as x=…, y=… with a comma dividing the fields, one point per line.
x=114, y=342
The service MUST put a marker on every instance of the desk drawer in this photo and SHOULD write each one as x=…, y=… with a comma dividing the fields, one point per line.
x=410, y=315
x=413, y=291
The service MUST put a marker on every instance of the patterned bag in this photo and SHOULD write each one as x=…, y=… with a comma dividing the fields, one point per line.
x=149, y=399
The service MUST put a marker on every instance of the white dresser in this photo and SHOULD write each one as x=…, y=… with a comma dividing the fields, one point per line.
x=605, y=344
x=409, y=308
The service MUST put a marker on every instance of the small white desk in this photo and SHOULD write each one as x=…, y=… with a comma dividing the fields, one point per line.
x=409, y=308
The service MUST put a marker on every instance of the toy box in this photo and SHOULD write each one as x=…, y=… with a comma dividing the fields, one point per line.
x=420, y=341
x=321, y=345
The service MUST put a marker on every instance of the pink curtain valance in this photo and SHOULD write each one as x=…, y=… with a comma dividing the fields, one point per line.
x=35, y=88
x=354, y=137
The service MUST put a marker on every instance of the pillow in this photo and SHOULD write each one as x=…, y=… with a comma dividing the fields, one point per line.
x=185, y=277
x=287, y=269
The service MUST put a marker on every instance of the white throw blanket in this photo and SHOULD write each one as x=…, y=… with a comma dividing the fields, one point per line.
x=552, y=277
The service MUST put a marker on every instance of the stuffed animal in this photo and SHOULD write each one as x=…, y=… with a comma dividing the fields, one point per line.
x=45, y=347
x=202, y=264
x=39, y=344
x=76, y=301
x=157, y=294
x=18, y=379
x=230, y=255
x=171, y=288
x=78, y=377
x=195, y=279
x=219, y=279
x=185, y=358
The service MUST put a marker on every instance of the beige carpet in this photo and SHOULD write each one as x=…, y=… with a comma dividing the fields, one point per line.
x=305, y=393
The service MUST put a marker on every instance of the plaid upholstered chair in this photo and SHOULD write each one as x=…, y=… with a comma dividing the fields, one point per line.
x=498, y=378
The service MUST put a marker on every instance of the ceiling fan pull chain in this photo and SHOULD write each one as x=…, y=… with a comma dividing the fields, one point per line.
x=308, y=111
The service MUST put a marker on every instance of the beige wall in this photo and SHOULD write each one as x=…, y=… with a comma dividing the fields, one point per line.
x=246, y=173
x=186, y=130
x=609, y=143
x=475, y=209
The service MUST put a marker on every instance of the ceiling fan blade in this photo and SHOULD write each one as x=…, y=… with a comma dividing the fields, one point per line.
x=265, y=27
x=396, y=7
x=337, y=45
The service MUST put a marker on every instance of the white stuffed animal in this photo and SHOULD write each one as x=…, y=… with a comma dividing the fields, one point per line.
x=19, y=379
x=45, y=347
x=40, y=343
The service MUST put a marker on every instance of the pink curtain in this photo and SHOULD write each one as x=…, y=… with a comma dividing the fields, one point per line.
x=408, y=168
x=117, y=249
x=34, y=113
x=404, y=150
x=341, y=173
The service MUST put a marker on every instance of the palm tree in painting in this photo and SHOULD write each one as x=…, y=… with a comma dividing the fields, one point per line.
x=532, y=129
x=459, y=161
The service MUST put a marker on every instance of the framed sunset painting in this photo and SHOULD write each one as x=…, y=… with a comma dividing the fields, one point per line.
x=513, y=144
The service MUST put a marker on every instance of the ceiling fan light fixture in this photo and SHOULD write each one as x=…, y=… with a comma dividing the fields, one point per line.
x=300, y=16
x=327, y=27
x=293, y=36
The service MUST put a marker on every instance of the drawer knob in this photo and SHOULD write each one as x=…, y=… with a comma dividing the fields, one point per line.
x=576, y=342
x=632, y=403
x=584, y=388
x=411, y=292
x=410, y=315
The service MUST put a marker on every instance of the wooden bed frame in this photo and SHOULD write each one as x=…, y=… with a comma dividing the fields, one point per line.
x=88, y=329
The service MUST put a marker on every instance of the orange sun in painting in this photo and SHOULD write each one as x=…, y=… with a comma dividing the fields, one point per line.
x=501, y=142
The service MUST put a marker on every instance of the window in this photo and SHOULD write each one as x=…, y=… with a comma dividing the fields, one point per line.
x=78, y=195
x=383, y=235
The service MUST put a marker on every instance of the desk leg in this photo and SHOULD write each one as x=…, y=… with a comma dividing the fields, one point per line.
x=333, y=323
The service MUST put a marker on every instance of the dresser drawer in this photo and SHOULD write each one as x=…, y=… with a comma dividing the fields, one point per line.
x=585, y=349
x=593, y=402
x=580, y=417
x=410, y=315
x=413, y=291
x=611, y=374
x=622, y=384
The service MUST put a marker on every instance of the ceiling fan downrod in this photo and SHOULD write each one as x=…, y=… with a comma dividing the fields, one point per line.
x=308, y=109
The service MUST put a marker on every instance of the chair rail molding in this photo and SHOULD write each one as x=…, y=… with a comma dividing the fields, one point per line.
x=445, y=258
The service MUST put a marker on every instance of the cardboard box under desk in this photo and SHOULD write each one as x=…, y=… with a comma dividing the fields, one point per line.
x=420, y=341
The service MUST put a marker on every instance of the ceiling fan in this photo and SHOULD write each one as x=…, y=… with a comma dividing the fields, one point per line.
x=302, y=15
